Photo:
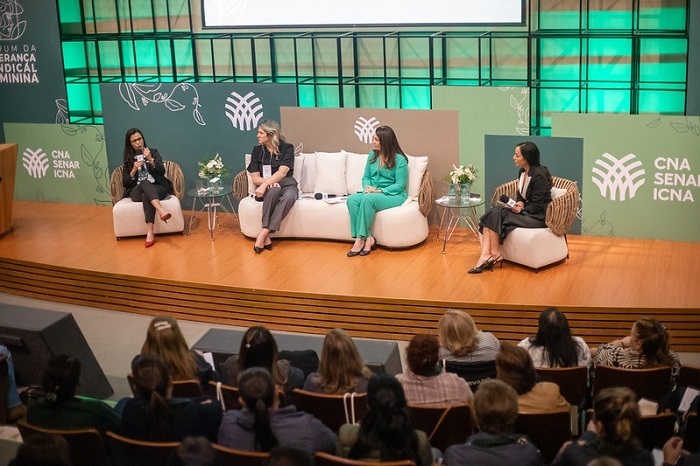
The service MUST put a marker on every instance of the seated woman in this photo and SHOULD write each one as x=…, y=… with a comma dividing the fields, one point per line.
x=529, y=211
x=341, y=369
x=461, y=341
x=611, y=432
x=259, y=349
x=496, y=409
x=262, y=424
x=554, y=346
x=271, y=167
x=154, y=415
x=386, y=432
x=384, y=183
x=514, y=367
x=165, y=340
x=425, y=382
x=144, y=179
x=60, y=409
x=14, y=407
x=646, y=346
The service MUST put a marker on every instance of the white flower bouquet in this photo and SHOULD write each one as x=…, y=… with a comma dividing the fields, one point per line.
x=213, y=168
x=462, y=174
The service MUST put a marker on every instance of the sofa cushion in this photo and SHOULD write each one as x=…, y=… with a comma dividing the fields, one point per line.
x=308, y=173
x=557, y=192
x=128, y=220
x=534, y=247
x=330, y=173
x=354, y=170
x=416, y=168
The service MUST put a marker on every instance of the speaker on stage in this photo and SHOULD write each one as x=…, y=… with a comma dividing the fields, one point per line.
x=34, y=335
x=8, y=163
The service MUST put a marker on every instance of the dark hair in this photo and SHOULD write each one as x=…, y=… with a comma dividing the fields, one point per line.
x=288, y=456
x=61, y=378
x=617, y=410
x=387, y=426
x=43, y=450
x=653, y=337
x=388, y=145
x=496, y=407
x=259, y=349
x=129, y=152
x=194, y=451
x=422, y=355
x=151, y=381
x=514, y=366
x=554, y=337
x=531, y=153
x=258, y=390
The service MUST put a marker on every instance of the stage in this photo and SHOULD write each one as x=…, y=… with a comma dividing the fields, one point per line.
x=67, y=253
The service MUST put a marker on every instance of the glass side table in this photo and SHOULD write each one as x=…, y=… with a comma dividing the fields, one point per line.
x=455, y=208
x=212, y=202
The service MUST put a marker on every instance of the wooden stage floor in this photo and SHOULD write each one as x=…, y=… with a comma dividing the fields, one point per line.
x=67, y=253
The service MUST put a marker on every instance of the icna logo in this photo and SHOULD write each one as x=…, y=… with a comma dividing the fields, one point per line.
x=364, y=129
x=244, y=112
x=618, y=179
x=11, y=28
x=35, y=162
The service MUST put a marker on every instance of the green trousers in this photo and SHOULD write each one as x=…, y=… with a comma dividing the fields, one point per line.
x=363, y=207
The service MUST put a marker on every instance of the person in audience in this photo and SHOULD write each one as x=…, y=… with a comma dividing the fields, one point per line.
x=341, y=369
x=153, y=414
x=674, y=454
x=271, y=167
x=495, y=409
x=386, y=432
x=554, y=346
x=289, y=456
x=262, y=424
x=15, y=409
x=384, y=186
x=425, y=382
x=646, y=346
x=165, y=340
x=612, y=432
x=259, y=349
x=43, y=450
x=144, y=179
x=194, y=451
x=514, y=367
x=61, y=409
x=529, y=211
x=461, y=341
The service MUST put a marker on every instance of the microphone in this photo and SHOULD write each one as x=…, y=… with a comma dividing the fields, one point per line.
x=507, y=201
x=323, y=196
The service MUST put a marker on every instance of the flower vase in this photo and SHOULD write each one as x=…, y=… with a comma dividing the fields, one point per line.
x=215, y=185
x=452, y=193
x=464, y=193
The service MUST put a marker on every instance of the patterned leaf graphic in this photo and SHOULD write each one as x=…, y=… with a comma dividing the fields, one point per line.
x=680, y=127
x=654, y=123
x=174, y=105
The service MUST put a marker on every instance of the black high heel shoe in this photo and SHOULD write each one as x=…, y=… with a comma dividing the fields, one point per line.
x=268, y=247
x=365, y=252
x=490, y=264
x=258, y=250
x=480, y=268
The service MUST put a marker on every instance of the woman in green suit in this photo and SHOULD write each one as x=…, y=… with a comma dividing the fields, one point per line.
x=384, y=182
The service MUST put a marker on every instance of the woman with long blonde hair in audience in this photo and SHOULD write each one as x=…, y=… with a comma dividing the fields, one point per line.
x=341, y=369
x=461, y=341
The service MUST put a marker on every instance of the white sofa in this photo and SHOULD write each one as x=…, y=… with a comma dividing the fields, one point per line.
x=340, y=173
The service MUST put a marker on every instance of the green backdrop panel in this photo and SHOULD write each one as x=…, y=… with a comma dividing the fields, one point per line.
x=640, y=174
x=60, y=163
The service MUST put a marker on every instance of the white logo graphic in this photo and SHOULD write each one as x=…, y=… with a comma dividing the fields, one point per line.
x=244, y=111
x=11, y=28
x=618, y=178
x=364, y=129
x=35, y=162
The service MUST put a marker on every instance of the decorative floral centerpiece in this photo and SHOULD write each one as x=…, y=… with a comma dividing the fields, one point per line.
x=213, y=168
x=462, y=175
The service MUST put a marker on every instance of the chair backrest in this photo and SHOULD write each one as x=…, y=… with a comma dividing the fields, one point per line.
x=656, y=429
x=4, y=388
x=548, y=431
x=650, y=383
x=691, y=433
x=187, y=389
x=689, y=376
x=131, y=452
x=572, y=381
x=172, y=171
x=86, y=447
x=444, y=425
x=228, y=395
x=473, y=372
x=325, y=459
x=239, y=457
x=331, y=409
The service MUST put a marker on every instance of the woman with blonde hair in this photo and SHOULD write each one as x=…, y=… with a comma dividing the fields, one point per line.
x=461, y=341
x=341, y=369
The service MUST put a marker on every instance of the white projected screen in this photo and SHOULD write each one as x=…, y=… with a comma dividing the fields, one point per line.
x=326, y=13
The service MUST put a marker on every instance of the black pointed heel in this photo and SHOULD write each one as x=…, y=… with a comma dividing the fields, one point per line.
x=480, y=268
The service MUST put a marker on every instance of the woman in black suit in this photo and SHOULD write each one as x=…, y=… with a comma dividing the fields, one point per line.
x=144, y=179
x=529, y=211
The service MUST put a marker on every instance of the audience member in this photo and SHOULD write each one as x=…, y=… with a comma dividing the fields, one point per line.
x=155, y=416
x=554, y=346
x=262, y=424
x=386, y=432
x=194, y=451
x=612, y=432
x=425, y=382
x=61, y=409
x=288, y=456
x=514, y=366
x=496, y=409
x=14, y=407
x=259, y=349
x=461, y=341
x=165, y=340
x=43, y=450
x=341, y=369
x=674, y=454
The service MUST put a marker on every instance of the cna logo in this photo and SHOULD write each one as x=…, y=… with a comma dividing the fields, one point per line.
x=35, y=162
x=618, y=179
x=11, y=28
x=364, y=129
x=244, y=111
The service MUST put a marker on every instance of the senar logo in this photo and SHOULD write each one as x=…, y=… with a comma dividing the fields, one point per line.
x=618, y=179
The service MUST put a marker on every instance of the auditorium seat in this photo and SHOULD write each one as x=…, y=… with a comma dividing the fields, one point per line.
x=239, y=457
x=332, y=410
x=325, y=459
x=548, y=431
x=131, y=452
x=85, y=445
x=651, y=383
x=473, y=372
x=444, y=425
